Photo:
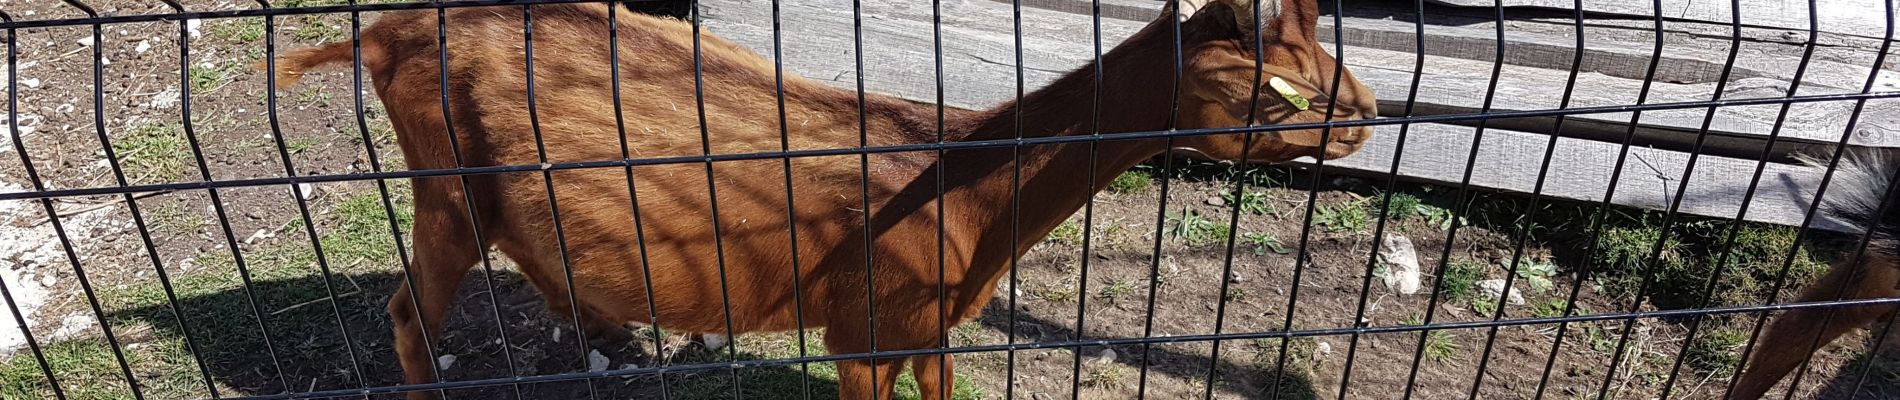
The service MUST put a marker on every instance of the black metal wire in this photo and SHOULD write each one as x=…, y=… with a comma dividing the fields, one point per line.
x=554, y=206
x=1161, y=208
x=941, y=147
x=961, y=145
x=633, y=199
x=13, y=130
x=1064, y=344
x=217, y=202
x=303, y=205
x=791, y=210
x=1015, y=204
x=1748, y=196
x=1088, y=206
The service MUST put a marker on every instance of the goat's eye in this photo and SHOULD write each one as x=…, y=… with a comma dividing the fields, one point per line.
x=1287, y=92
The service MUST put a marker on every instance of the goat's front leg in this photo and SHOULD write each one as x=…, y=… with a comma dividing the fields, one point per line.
x=445, y=249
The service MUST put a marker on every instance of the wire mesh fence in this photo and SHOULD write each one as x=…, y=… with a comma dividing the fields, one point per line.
x=971, y=200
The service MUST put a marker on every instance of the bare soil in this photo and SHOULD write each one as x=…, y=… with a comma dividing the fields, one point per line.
x=291, y=318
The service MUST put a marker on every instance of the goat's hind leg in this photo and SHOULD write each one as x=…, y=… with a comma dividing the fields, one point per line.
x=445, y=249
x=1787, y=341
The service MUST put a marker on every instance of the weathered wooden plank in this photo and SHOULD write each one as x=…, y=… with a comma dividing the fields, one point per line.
x=979, y=52
x=1855, y=17
x=1580, y=170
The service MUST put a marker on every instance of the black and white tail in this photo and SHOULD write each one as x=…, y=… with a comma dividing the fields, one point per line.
x=1861, y=184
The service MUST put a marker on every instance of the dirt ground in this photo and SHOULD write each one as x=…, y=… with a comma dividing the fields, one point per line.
x=190, y=316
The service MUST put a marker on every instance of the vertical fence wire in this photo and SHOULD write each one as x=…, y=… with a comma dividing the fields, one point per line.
x=1161, y=208
x=19, y=145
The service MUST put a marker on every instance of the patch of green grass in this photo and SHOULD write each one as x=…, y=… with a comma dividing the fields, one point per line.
x=86, y=370
x=1402, y=206
x=1054, y=293
x=208, y=77
x=1460, y=280
x=1439, y=347
x=176, y=219
x=1105, y=376
x=1252, y=202
x=298, y=145
x=1349, y=217
x=1263, y=242
x=1234, y=294
x=154, y=153
x=1717, y=349
x=313, y=95
x=241, y=30
x=1068, y=233
x=1130, y=182
x=1484, y=307
x=319, y=29
x=1116, y=289
x=1189, y=226
x=1550, y=308
x=1696, y=251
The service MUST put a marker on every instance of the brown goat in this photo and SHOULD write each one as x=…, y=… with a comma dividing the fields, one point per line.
x=618, y=250
x=1861, y=182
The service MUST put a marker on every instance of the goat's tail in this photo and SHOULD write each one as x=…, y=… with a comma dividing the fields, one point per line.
x=1862, y=183
x=291, y=67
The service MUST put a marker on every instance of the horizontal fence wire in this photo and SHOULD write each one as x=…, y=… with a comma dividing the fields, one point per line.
x=1314, y=220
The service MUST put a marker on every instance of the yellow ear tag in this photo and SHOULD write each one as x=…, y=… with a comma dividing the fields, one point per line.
x=1287, y=92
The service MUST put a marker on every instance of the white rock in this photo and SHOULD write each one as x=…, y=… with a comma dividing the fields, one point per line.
x=261, y=234
x=1106, y=357
x=308, y=191
x=596, y=362
x=1401, y=264
x=713, y=341
x=1324, y=348
x=74, y=325
x=1234, y=276
x=48, y=280
x=30, y=82
x=556, y=336
x=143, y=46
x=1493, y=287
x=85, y=41
x=192, y=26
x=445, y=361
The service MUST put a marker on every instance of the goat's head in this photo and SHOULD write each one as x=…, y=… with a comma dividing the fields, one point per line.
x=1221, y=88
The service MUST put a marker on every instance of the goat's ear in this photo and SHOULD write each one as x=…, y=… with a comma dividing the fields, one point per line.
x=1245, y=10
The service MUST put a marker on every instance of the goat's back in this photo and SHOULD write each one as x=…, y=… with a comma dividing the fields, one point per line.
x=568, y=113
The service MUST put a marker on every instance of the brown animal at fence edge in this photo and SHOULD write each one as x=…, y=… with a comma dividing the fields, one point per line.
x=1860, y=188
x=574, y=116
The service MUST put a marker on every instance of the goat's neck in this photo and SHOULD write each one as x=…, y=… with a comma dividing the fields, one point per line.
x=1136, y=94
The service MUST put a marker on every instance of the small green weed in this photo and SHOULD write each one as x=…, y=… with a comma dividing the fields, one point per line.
x=1341, y=218
x=1263, y=242
x=1130, y=182
x=1250, y=202
x=1460, y=280
x=1189, y=226
x=1068, y=233
x=154, y=152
